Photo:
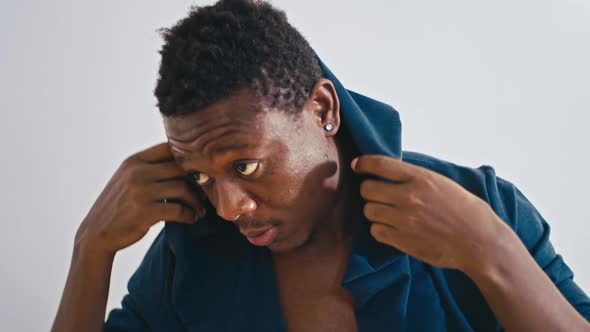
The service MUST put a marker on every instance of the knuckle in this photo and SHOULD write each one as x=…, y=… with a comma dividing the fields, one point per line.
x=133, y=178
x=413, y=198
x=130, y=161
x=129, y=172
x=427, y=181
x=133, y=192
x=131, y=205
x=411, y=220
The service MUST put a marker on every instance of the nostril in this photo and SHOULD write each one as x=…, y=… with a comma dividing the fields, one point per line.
x=232, y=202
x=227, y=216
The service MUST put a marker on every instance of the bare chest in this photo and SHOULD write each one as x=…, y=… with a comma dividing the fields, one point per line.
x=310, y=312
x=313, y=300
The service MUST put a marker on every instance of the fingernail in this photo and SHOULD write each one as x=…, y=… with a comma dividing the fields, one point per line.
x=353, y=162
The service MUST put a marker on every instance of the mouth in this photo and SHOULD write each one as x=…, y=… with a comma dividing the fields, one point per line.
x=261, y=237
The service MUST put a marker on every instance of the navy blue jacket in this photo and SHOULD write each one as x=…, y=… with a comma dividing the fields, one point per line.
x=207, y=277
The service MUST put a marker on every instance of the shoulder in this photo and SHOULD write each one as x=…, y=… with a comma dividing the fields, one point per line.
x=368, y=103
x=445, y=167
x=467, y=176
x=505, y=198
x=481, y=181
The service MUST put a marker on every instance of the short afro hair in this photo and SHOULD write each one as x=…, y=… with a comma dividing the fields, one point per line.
x=233, y=44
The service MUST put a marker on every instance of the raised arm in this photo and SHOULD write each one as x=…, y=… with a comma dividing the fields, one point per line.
x=147, y=188
x=519, y=292
x=434, y=219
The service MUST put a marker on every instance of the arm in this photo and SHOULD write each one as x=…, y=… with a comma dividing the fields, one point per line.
x=519, y=292
x=147, y=188
x=436, y=220
x=85, y=294
x=141, y=308
x=525, y=268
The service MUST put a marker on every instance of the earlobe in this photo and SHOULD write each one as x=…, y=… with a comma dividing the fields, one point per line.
x=326, y=106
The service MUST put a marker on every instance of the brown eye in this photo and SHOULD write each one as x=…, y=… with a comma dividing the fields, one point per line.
x=200, y=178
x=247, y=168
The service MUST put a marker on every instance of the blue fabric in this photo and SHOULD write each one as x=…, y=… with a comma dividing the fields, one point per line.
x=207, y=277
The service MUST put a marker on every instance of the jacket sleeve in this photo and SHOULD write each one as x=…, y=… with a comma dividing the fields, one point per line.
x=146, y=304
x=128, y=318
x=520, y=214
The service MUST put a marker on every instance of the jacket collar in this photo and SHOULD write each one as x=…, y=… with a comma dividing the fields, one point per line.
x=375, y=128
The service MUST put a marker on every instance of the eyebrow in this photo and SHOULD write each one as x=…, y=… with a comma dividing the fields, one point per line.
x=229, y=148
x=221, y=150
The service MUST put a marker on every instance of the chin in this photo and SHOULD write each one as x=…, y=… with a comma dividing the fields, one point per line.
x=288, y=244
x=280, y=247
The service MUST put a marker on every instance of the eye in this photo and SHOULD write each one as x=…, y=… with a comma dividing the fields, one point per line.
x=247, y=168
x=200, y=178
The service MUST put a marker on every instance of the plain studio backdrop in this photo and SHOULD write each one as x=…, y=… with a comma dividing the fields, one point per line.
x=503, y=83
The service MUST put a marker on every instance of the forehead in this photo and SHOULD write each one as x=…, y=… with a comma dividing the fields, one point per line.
x=241, y=108
x=238, y=121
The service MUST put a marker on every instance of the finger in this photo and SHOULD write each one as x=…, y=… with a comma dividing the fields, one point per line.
x=173, y=212
x=385, y=167
x=163, y=171
x=176, y=190
x=157, y=153
x=382, y=192
x=386, y=234
x=383, y=213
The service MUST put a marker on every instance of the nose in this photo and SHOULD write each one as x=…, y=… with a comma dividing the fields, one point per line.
x=232, y=201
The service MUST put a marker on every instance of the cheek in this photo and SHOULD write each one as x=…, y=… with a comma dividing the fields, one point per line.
x=301, y=191
x=286, y=180
x=283, y=189
x=299, y=170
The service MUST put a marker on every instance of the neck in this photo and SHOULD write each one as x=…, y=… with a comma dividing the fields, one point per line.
x=333, y=234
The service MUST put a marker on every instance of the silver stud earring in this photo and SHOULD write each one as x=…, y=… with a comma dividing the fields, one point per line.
x=328, y=127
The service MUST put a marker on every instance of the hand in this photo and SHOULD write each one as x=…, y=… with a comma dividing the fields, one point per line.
x=425, y=214
x=148, y=187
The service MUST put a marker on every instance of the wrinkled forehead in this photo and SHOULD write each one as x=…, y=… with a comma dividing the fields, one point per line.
x=240, y=122
x=210, y=130
x=243, y=108
x=188, y=128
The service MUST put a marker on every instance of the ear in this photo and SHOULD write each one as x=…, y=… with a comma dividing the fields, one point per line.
x=325, y=106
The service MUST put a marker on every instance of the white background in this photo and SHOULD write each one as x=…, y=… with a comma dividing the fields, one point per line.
x=504, y=83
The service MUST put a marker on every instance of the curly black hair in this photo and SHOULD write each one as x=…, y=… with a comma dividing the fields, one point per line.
x=219, y=49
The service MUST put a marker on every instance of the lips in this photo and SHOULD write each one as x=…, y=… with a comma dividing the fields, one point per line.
x=254, y=233
x=262, y=237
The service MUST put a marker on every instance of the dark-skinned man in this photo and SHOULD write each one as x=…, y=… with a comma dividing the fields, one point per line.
x=290, y=205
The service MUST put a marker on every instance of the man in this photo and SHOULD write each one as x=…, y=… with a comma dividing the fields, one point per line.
x=291, y=206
